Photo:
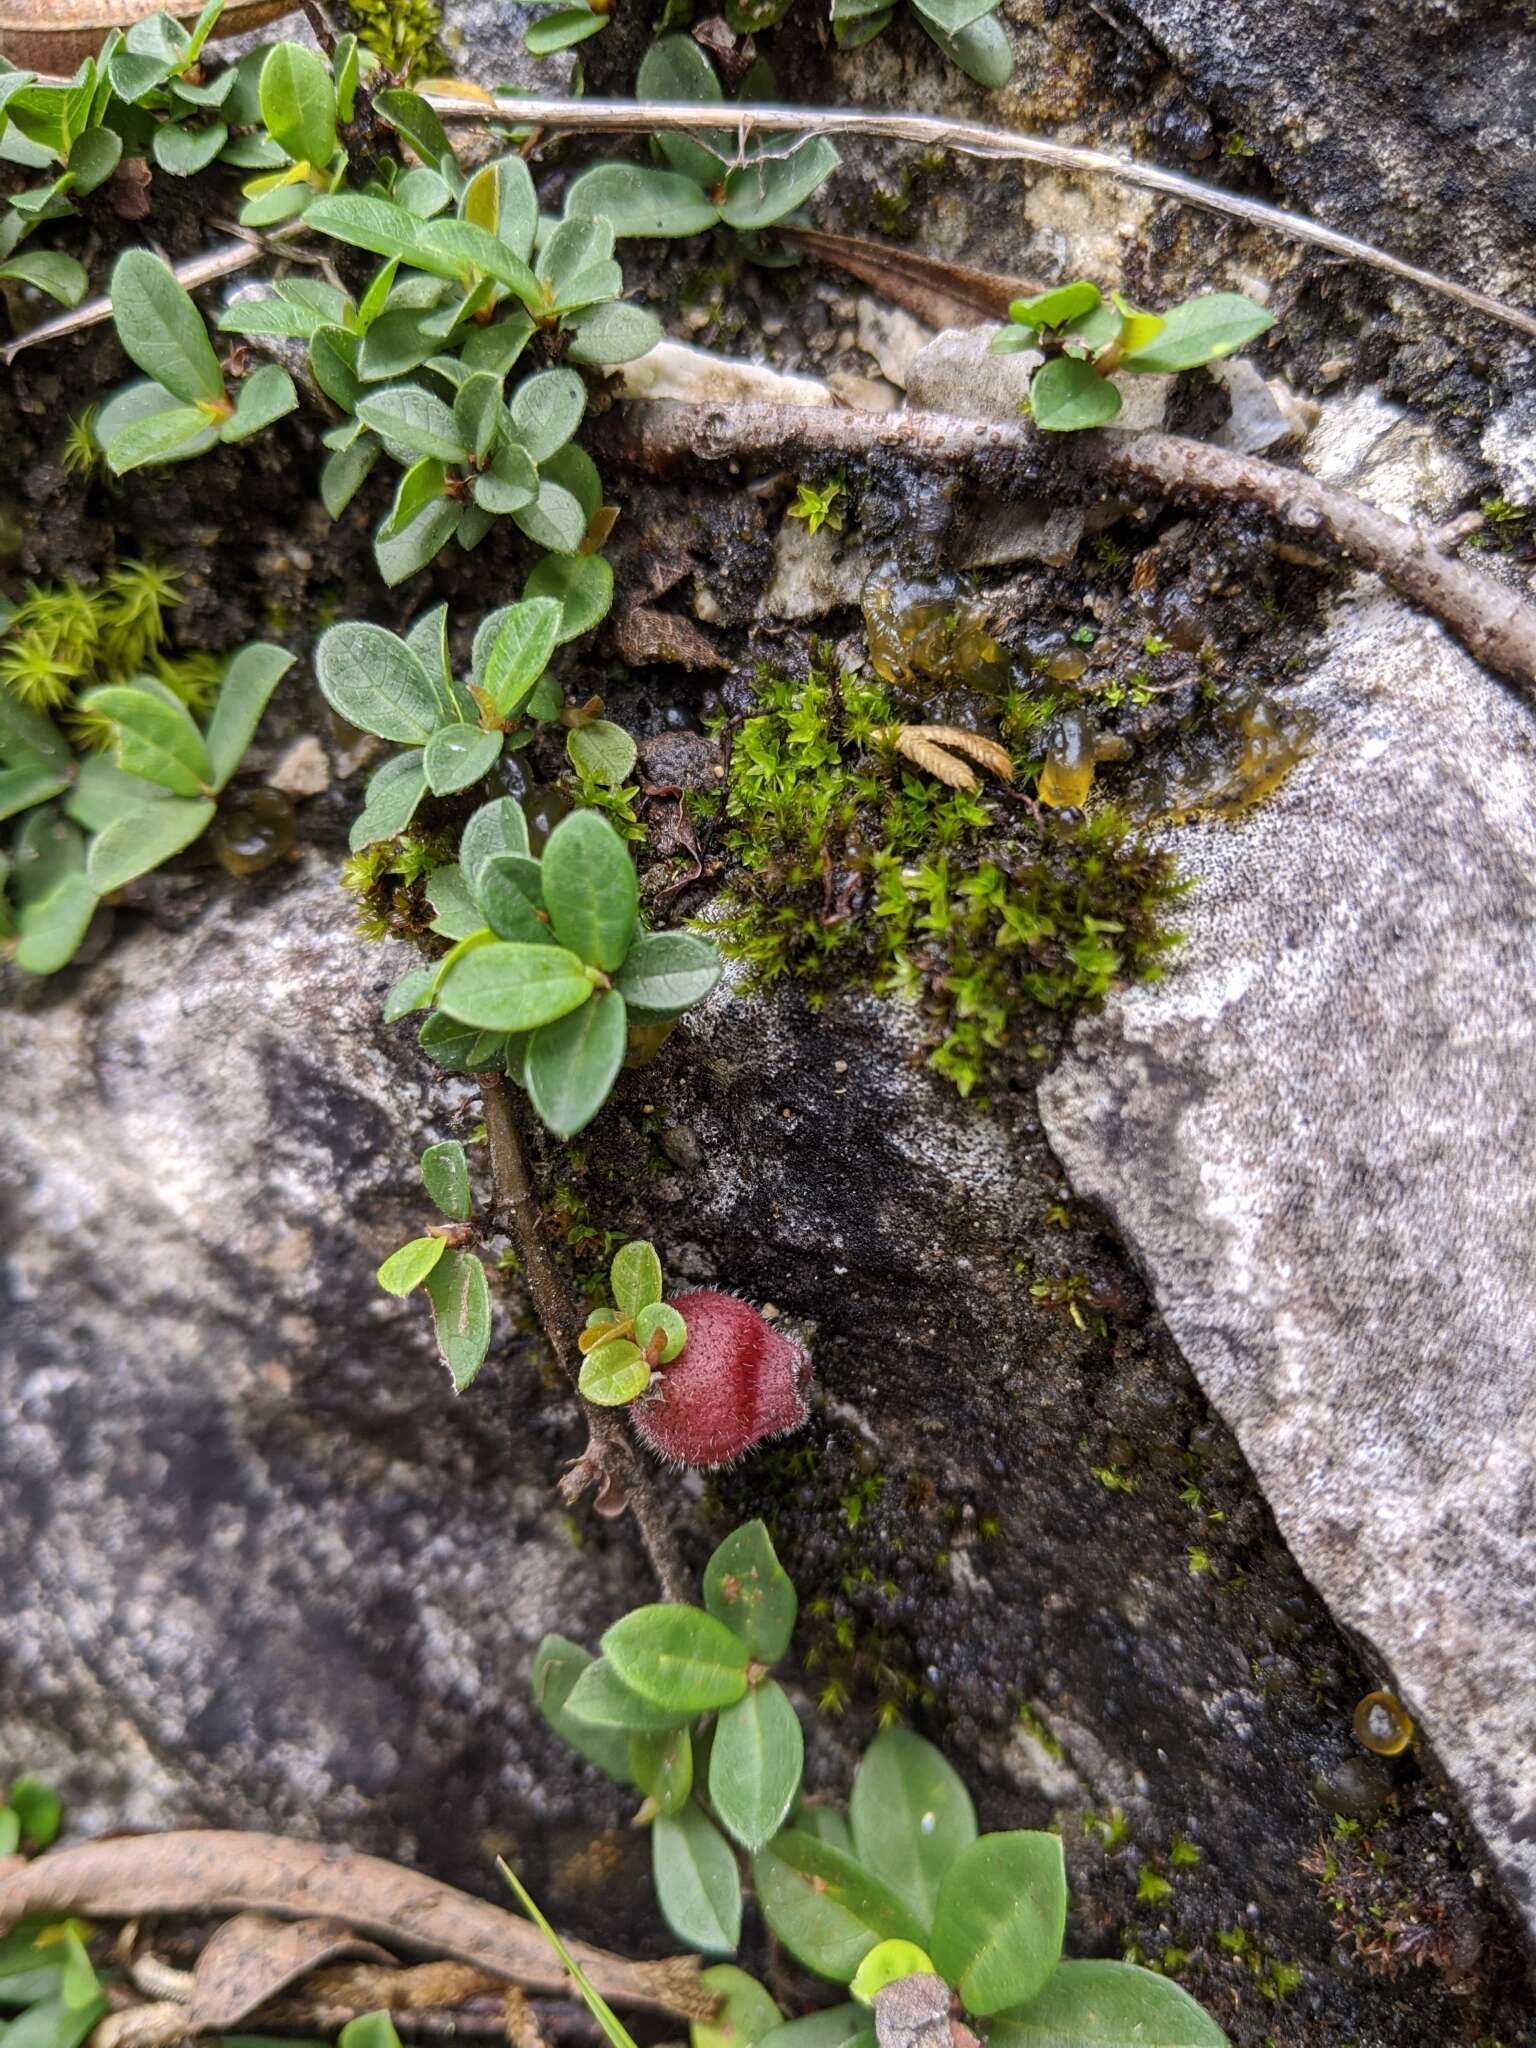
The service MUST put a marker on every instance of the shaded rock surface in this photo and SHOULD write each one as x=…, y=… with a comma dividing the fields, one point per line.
x=1406, y=121
x=266, y=1570
x=261, y=1565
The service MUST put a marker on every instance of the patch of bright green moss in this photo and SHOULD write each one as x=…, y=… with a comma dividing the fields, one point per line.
x=854, y=869
x=401, y=33
x=389, y=880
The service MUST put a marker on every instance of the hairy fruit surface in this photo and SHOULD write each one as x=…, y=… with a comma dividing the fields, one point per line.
x=736, y=1382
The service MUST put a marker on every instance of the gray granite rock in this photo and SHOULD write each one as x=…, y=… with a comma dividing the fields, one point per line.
x=1318, y=1137
x=483, y=42
x=1405, y=121
x=263, y=1569
x=261, y=1566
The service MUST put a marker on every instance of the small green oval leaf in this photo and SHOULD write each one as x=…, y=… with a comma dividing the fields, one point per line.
x=393, y=794
x=661, y=1320
x=841, y=2026
x=613, y=1374
x=457, y=756
x=747, y=1588
x=408, y=1267
x=678, y=1657
x=697, y=1884
x=911, y=1816
x=601, y=751
x=635, y=1276
x=140, y=840
x=640, y=201
x=582, y=586
x=747, y=2014
x=461, y=1309
x=1056, y=307
x=1107, y=2005
x=298, y=103
x=514, y=987
x=755, y=1764
x=445, y=1174
x=888, y=1963
x=1068, y=394
x=546, y=410
x=520, y=652
x=557, y=1665
x=162, y=330
x=415, y=419
x=590, y=889
x=155, y=738
x=1001, y=1917
x=602, y=1700
x=250, y=677
x=573, y=1063
x=661, y=1764
x=828, y=1911
x=666, y=973
x=1200, y=331
x=758, y=193
x=497, y=827
x=375, y=681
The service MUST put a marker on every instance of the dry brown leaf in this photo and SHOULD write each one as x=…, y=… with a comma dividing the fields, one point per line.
x=913, y=2013
x=254, y=1956
x=53, y=35
x=425, y=1987
x=941, y=294
x=925, y=747
x=222, y=1871
x=922, y=753
x=644, y=634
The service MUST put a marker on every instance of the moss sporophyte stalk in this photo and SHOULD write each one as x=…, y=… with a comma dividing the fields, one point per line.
x=854, y=869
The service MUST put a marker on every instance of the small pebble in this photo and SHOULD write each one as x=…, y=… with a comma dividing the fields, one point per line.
x=303, y=770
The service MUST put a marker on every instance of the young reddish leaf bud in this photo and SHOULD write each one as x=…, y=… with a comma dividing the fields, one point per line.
x=736, y=1381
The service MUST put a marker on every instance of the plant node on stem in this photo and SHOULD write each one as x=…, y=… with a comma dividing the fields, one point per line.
x=610, y=1462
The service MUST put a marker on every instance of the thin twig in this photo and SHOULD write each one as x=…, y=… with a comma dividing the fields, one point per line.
x=224, y=259
x=1493, y=622
x=610, y=1462
x=971, y=138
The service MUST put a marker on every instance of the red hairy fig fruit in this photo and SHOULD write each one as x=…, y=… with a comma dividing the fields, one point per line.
x=736, y=1381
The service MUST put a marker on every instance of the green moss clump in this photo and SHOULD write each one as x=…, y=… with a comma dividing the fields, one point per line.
x=389, y=880
x=402, y=34
x=853, y=869
x=64, y=637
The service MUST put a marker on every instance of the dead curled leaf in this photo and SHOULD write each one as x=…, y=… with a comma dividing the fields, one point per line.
x=53, y=35
x=937, y=293
x=222, y=1871
x=254, y=1956
x=913, y=2013
x=933, y=747
x=440, y=1994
